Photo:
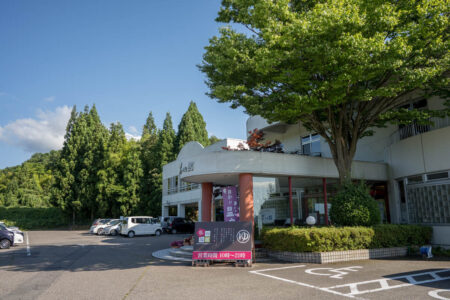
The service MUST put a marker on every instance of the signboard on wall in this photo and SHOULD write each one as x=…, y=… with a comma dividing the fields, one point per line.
x=230, y=204
x=267, y=215
x=222, y=241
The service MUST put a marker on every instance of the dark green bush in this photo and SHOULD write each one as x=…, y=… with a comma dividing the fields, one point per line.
x=33, y=218
x=325, y=239
x=391, y=235
x=353, y=206
x=317, y=239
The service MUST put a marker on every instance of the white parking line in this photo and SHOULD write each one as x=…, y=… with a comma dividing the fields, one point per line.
x=28, y=246
x=384, y=283
x=258, y=272
x=353, y=287
x=435, y=294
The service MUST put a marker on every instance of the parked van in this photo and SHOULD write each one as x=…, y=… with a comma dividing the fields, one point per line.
x=132, y=226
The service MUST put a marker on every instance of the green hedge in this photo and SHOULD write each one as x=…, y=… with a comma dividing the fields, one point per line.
x=323, y=239
x=33, y=218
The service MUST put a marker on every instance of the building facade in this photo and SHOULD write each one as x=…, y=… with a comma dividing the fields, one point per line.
x=406, y=167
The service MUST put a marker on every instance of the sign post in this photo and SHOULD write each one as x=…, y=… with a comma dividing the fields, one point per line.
x=222, y=241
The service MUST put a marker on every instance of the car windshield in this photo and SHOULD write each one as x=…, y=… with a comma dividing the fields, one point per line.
x=2, y=227
x=104, y=221
x=114, y=222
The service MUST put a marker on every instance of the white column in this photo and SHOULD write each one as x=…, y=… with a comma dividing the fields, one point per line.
x=181, y=209
x=199, y=210
x=165, y=211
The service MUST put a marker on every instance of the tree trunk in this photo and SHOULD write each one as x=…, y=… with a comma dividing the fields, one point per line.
x=73, y=218
x=343, y=150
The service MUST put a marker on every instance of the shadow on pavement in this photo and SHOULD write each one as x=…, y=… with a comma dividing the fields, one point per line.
x=109, y=253
x=436, y=278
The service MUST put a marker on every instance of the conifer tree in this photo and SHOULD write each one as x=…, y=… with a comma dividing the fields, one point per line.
x=192, y=127
x=165, y=154
x=64, y=194
x=166, y=143
x=76, y=175
x=110, y=188
x=149, y=160
x=92, y=156
x=131, y=178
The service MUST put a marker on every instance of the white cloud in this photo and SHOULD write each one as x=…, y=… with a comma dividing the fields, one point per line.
x=49, y=99
x=130, y=136
x=43, y=133
x=132, y=129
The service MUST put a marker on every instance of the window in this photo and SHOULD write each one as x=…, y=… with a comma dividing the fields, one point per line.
x=437, y=176
x=188, y=186
x=415, y=179
x=401, y=188
x=311, y=145
x=413, y=128
x=172, y=185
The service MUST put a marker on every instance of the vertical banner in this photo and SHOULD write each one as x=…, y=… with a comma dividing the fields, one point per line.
x=230, y=204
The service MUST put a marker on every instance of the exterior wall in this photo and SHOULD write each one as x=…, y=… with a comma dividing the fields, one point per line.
x=423, y=153
x=441, y=236
x=236, y=162
x=179, y=197
x=371, y=148
x=381, y=157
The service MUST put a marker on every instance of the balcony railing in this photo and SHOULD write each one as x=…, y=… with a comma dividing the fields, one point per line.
x=182, y=188
x=416, y=129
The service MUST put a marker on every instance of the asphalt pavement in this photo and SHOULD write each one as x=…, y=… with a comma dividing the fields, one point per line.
x=78, y=265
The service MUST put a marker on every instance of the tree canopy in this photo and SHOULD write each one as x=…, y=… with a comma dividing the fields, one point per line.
x=192, y=127
x=340, y=67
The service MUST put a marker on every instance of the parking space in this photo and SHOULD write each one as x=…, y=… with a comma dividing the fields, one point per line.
x=76, y=264
x=375, y=279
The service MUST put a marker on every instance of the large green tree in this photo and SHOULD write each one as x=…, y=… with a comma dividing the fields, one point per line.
x=76, y=181
x=150, y=163
x=166, y=143
x=192, y=127
x=340, y=67
x=164, y=150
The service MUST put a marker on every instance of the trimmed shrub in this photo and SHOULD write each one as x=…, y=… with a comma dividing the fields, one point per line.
x=33, y=218
x=353, y=206
x=324, y=239
x=391, y=235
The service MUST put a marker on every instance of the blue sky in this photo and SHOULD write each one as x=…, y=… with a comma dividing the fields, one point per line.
x=127, y=57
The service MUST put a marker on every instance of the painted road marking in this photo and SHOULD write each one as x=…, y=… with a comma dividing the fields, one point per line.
x=354, y=287
x=384, y=283
x=435, y=294
x=259, y=272
x=336, y=273
x=28, y=246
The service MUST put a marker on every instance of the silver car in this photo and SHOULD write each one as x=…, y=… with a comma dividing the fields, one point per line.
x=112, y=228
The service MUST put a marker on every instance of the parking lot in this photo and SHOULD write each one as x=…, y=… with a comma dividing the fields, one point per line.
x=75, y=264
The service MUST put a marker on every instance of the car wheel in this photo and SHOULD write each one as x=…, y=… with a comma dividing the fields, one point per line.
x=158, y=232
x=131, y=234
x=5, y=244
x=100, y=231
x=174, y=231
x=114, y=232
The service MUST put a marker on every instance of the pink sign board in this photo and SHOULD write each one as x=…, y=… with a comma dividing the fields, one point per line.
x=222, y=241
x=230, y=204
x=220, y=255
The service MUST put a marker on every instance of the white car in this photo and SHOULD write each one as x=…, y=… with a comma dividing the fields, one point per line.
x=97, y=224
x=140, y=225
x=101, y=228
x=112, y=228
x=18, y=234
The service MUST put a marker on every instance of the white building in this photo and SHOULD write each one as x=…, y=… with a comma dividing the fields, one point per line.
x=407, y=168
